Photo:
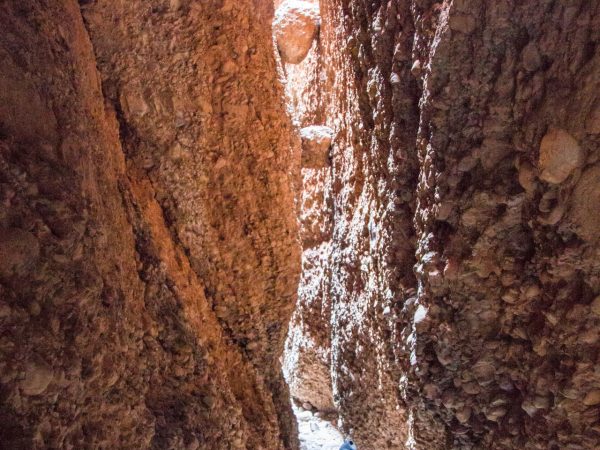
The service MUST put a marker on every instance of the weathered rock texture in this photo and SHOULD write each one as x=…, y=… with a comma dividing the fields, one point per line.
x=148, y=255
x=450, y=289
x=316, y=144
x=462, y=272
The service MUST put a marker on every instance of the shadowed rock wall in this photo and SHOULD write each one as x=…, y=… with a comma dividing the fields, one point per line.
x=462, y=272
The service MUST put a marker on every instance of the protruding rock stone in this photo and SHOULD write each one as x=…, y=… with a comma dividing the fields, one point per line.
x=471, y=388
x=484, y=372
x=416, y=68
x=38, y=375
x=592, y=398
x=554, y=216
x=541, y=402
x=494, y=414
x=316, y=140
x=464, y=414
x=431, y=391
x=526, y=177
x=133, y=102
x=529, y=407
x=531, y=291
x=560, y=155
x=19, y=250
x=295, y=27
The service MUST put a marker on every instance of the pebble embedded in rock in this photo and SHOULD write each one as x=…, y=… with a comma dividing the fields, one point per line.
x=38, y=375
x=415, y=69
x=484, y=372
x=560, y=155
x=295, y=27
x=526, y=177
x=531, y=57
x=133, y=102
x=19, y=250
x=583, y=213
x=494, y=414
x=592, y=398
x=529, y=408
x=464, y=414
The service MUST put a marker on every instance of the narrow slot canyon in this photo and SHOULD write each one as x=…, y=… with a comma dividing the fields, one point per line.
x=279, y=224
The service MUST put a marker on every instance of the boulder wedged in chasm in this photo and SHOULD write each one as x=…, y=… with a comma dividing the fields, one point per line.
x=295, y=27
x=316, y=142
x=147, y=228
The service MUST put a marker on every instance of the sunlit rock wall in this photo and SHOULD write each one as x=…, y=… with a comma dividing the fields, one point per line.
x=148, y=249
x=363, y=268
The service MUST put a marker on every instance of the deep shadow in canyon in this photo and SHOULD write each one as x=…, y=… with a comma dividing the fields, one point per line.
x=415, y=184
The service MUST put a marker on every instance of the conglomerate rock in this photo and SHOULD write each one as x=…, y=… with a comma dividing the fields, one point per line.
x=148, y=250
x=149, y=258
x=463, y=270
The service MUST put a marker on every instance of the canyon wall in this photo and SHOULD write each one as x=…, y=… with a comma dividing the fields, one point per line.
x=148, y=250
x=150, y=179
x=450, y=274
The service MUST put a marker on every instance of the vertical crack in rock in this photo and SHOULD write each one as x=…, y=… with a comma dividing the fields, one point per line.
x=356, y=219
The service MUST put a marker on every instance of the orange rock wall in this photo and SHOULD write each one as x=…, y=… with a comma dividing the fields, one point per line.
x=147, y=233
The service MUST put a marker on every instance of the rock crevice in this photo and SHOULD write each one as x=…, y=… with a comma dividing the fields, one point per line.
x=418, y=179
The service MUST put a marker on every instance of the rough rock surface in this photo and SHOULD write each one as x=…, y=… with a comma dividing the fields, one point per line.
x=316, y=142
x=295, y=27
x=149, y=257
x=148, y=250
x=462, y=268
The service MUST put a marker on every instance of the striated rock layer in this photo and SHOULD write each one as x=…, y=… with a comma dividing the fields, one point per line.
x=148, y=255
x=460, y=283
